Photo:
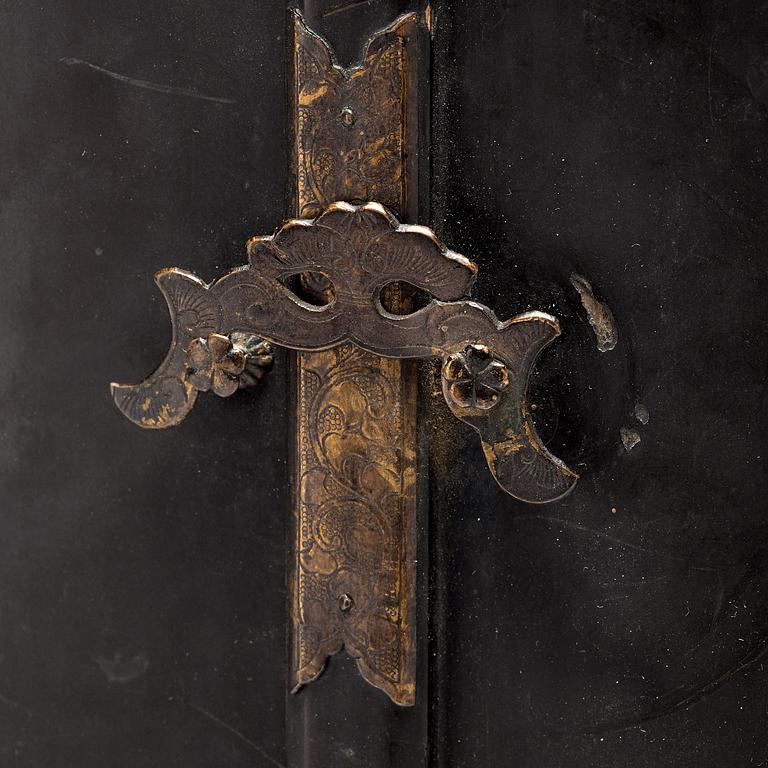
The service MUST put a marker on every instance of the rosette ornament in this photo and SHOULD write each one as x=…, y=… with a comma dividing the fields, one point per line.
x=224, y=364
x=475, y=378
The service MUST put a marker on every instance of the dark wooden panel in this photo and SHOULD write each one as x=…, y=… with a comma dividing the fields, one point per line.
x=625, y=625
x=142, y=581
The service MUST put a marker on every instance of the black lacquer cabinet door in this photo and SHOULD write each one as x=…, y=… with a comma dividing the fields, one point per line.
x=603, y=162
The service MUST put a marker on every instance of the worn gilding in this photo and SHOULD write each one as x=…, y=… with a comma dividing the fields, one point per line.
x=354, y=512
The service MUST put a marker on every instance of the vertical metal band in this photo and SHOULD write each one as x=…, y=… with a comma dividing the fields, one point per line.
x=354, y=518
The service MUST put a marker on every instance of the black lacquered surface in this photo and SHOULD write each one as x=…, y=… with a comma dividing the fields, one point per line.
x=625, y=625
x=142, y=575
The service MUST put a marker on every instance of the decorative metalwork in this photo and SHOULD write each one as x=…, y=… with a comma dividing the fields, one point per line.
x=352, y=134
x=361, y=250
x=356, y=477
x=355, y=139
x=332, y=285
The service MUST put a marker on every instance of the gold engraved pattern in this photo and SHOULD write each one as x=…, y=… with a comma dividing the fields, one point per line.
x=357, y=475
x=354, y=584
x=350, y=124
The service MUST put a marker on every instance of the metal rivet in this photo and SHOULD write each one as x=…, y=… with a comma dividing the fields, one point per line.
x=347, y=117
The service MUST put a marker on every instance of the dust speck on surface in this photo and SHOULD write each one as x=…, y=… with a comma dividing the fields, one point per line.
x=598, y=313
x=642, y=414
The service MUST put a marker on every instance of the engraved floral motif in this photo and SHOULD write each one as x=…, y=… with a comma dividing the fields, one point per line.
x=355, y=577
x=350, y=123
x=355, y=528
x=355, y=472
x=166, y=397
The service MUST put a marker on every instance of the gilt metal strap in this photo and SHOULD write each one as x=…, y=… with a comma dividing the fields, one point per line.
x=354, y=511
